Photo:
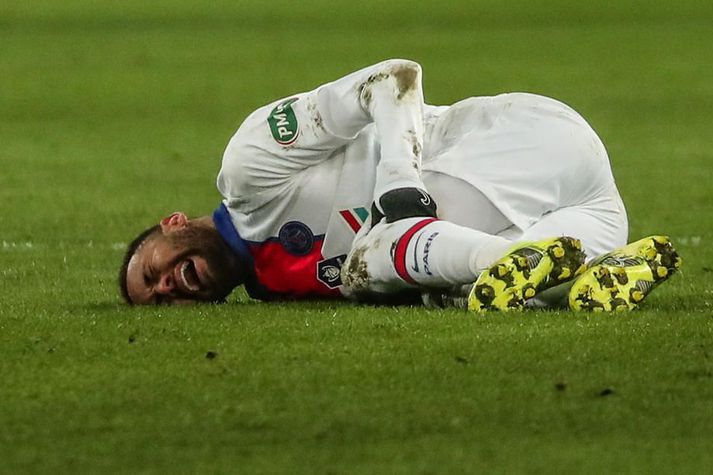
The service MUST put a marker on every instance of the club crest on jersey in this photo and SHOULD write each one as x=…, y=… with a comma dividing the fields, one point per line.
x=283, y=122
x=329, y=271
x=297, y=238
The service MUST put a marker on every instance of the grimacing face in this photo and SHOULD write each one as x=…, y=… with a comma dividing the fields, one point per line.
x=185, y=262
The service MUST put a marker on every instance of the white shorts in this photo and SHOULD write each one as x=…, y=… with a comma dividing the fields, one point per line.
x=536, y=160
x=515, y=166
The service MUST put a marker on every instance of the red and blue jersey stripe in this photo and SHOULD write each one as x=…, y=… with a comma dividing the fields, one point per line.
x=279, y=271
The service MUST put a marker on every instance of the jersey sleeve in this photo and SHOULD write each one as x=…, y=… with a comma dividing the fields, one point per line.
x=389, y=94
x=279, y=141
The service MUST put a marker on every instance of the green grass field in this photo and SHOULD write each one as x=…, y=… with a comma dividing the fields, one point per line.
x=115, y=113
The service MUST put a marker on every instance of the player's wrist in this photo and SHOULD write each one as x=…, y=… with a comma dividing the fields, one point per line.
x=402, y=203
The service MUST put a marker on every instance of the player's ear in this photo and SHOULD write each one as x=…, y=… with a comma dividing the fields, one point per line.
x=173, y=222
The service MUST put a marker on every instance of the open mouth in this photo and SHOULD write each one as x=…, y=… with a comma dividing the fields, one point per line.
x=188, y=275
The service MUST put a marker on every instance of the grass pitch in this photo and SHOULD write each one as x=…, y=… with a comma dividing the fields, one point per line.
x=112, y=114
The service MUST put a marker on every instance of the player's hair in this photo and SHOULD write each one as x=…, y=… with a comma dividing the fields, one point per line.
x=130, y=251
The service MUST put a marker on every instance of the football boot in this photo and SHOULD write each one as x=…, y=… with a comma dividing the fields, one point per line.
x=526, y=269
x=621, y=279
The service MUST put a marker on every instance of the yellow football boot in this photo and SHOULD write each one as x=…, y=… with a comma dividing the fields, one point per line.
x=527, y=269
x=621, y=279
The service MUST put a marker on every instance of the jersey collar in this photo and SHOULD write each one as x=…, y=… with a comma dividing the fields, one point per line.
x=224, y=225
x=226, y=229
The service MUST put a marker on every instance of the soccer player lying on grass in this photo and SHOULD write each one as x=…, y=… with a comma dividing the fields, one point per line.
x=332, y=193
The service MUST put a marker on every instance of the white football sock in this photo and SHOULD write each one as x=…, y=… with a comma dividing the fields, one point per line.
x=418, y=251
x=444, y=254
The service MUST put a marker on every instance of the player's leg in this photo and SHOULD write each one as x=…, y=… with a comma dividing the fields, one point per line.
x=458, y=202
x=621, y=279
x=619, y=276
x=461, y=203
x=418, y=252
x=601, y=225
x=443, y=258
x=429, y=253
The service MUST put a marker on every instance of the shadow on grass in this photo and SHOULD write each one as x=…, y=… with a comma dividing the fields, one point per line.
x=671, y=303
x=116, y=306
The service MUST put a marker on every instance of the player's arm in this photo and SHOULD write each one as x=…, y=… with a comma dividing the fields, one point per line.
x=279, y=140
x=390, y=95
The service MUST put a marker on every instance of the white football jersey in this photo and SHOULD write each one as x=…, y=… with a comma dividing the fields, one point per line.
x=299, y=175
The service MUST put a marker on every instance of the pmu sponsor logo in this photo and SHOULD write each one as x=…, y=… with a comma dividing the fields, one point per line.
x=283, y=122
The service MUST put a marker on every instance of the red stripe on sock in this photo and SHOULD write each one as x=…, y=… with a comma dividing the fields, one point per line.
x=402, y=245
x=351, y=220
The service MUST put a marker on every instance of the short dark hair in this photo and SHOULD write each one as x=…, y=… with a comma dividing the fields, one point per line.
x=130, y=251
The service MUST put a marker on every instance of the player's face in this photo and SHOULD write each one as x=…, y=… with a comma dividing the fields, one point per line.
x=183, y=263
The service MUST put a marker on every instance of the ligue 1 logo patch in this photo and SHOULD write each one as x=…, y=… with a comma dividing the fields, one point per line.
x=329, y=271
x=283, y=123
x=297, y=238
